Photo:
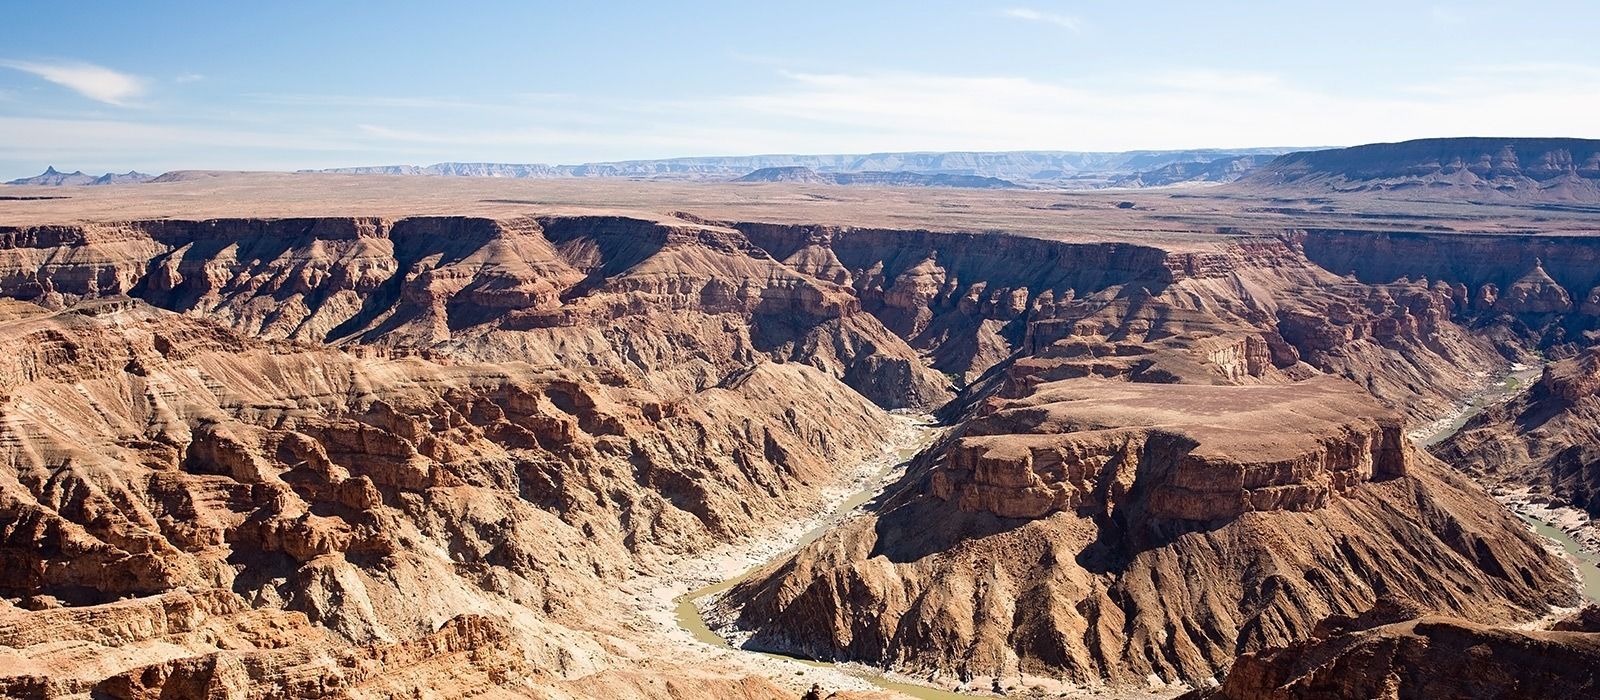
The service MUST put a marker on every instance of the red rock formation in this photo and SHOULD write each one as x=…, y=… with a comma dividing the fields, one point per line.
x=363, y=501
x=484, y=289
x=1102, y=531
x=1382, y=656
x=367, y=427
x=1080, y=447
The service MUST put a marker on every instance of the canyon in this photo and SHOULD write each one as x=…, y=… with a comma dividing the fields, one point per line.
x=345, y=435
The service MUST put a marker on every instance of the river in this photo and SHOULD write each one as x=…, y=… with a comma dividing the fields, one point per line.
x=1585, y=562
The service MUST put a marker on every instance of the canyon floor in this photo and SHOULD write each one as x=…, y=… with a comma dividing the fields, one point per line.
x=316, y=435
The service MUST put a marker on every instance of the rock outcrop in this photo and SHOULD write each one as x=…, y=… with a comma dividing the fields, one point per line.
x=360, y=503
x=1199, y=453
x=1388, y=654
x=1066, y=535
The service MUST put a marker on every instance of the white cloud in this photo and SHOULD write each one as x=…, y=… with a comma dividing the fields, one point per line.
x=1182, y=107
x=1032, y=15
x=1175, y=109
x=94, y=82
x=188, y=78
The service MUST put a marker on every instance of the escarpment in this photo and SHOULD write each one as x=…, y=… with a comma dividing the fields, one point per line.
x=689, y=302
x=1551, y=170
x=530, y=289
x=990, y=309
x=967, y=300
x=1533, y=288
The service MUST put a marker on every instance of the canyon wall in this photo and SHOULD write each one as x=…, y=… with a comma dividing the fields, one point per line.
x=447, y=442
x=1546, y=287
x=335, y=508
x=1391, y=652
x=1545, y=440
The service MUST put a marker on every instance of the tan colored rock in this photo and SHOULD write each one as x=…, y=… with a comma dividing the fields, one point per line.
x=1428, y=657
x=1099, y=531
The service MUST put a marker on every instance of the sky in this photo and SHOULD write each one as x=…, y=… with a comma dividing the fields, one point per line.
x=158, y=86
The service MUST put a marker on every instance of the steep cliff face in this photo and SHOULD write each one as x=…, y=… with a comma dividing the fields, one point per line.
x=321, y=499
x=688, y=303
x=1532, y=287
x=1388, y=652
x=1256, y=311
x=1102, y=532
x=541, y=290
x=964, y=299
x=988, y=309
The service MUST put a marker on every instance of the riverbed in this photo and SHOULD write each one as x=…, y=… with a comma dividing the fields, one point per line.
x=1585, y=561
x=687, y=606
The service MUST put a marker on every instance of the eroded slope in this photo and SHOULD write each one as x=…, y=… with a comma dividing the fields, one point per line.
x=1126, y=533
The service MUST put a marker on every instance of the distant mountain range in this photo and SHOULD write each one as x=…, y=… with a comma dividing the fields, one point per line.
x=1225, y=169
x=1533, y=169
x=1051, y=169
x=1073, y=169
x=1554, y=169
x=884, y=178
x=55, y=178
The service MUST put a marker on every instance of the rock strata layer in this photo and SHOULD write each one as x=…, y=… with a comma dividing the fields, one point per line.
x=1388, y=654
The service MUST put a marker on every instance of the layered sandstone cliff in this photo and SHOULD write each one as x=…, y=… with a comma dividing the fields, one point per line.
x=687, y=304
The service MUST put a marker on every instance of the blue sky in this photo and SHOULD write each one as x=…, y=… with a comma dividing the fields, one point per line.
x=165, y=85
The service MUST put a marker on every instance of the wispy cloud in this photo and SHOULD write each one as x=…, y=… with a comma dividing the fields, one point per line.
x=1032, y=15
x=189, y=78
x=1218, y=108
x=365, y=101
x=830, y=112
x=97, y=83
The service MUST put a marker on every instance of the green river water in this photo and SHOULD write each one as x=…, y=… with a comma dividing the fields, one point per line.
x=1588, y=563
